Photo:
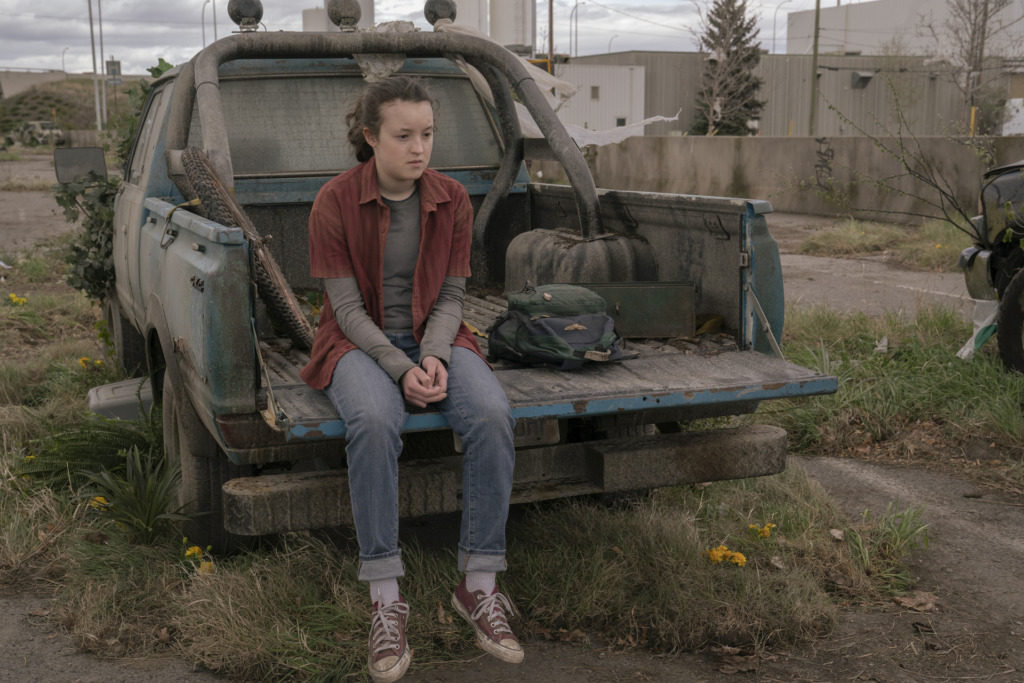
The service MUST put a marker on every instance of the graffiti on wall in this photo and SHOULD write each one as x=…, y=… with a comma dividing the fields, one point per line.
x=823, y=165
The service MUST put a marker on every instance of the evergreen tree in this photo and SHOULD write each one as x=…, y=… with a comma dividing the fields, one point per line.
x=727, y=99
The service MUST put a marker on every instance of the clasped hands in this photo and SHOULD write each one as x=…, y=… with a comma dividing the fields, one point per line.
x=427, y=383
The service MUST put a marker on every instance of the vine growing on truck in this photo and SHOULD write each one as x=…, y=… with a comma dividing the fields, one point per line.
x=91, y=253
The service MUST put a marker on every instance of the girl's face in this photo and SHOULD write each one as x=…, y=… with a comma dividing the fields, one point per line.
x=403, y=146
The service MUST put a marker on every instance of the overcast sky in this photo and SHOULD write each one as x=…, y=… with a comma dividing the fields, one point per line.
x=34, y=34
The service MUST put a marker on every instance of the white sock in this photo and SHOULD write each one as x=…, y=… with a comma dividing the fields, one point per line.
x=480, y=581
x=384, y=591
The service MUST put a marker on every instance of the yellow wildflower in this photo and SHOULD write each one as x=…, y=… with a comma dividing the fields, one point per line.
x=84, y=361
x=17, y=300
x=99, y=502
x=98, y=363
x=718, y=554
x=761, y=531
x=194, y=551
x=738, y=559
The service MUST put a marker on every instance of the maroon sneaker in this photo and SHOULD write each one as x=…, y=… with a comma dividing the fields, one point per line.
x=486, y=614
x=389, y=653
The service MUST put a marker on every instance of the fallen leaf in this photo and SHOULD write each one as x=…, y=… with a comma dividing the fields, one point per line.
x=837, y=534
x=617, y=550
x=919, y=601
x=97, y=537
x=39, y=612
x=733, y=660
x=777, y=562
x=442, y=616
x=163, y=635
x=41, y=535
x=837, y=577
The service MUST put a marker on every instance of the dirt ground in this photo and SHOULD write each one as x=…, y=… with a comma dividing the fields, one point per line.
x=970, y=577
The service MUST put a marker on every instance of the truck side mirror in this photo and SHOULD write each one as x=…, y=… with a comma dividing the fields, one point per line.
x=74, y=162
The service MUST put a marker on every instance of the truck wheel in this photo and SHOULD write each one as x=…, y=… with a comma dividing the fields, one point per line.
x=129, y=346
x=204, y=469
x=1010, y=326
x=221, y=206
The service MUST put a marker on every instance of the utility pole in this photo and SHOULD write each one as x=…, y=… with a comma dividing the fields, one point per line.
x=814, y=69
x=103, y=81
x=979, y=60
x=95, y=84
x=551, y=36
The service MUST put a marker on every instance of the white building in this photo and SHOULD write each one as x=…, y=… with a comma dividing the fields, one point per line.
x=607, y=96
x=891, y=27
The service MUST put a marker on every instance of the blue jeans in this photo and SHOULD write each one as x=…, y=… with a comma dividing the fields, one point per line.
x=374, y=411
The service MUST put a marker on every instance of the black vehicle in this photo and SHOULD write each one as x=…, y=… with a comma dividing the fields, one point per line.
x=994, y=266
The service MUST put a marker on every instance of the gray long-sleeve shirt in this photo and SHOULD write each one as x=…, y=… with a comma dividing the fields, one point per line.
x=357, y=325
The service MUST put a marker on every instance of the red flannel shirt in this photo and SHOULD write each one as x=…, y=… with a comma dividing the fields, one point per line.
x=348, y=227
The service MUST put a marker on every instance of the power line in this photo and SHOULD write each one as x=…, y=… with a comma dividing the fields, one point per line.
x=633, y=16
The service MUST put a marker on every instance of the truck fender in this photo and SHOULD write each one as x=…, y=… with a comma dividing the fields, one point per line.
x=160, y=347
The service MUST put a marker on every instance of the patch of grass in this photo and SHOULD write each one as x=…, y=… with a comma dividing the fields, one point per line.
x=635, y=576
x=7, y=155
x=26, y=186
x=639, y=576
x=933, y=245
x=900, y=383
x=118, y=599
x=46, y=266
x=33, y=520
x=880, y=547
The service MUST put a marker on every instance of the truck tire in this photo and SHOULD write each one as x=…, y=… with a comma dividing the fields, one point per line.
x=222, y=207
x=129, y=346
x=204, y=469
x=1010, y=326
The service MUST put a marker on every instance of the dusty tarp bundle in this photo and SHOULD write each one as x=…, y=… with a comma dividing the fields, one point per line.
x=378, y=67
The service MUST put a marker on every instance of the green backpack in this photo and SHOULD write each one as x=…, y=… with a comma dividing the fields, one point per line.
x=564, y=326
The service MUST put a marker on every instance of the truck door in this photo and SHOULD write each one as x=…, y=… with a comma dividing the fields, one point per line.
x=128, y=205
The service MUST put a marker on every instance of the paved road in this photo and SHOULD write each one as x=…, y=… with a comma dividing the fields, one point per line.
x=867, y=284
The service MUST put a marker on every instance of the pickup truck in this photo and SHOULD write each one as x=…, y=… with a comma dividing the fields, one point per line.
x=210, y=236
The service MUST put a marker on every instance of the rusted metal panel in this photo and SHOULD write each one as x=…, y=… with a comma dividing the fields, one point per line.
x=649, y=309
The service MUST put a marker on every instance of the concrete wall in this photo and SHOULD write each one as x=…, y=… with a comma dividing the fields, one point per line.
x=14, y=82
x=84, y=138
x=788, y=172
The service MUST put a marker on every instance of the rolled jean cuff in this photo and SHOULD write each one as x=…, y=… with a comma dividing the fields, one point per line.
x=381, y=567
x=481, y=562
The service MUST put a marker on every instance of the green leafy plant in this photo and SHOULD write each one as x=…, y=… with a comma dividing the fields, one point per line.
x=90, y=256
x=122, y=127
x=141, y=499
x=63, y=456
